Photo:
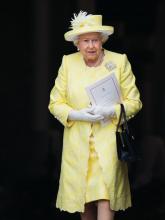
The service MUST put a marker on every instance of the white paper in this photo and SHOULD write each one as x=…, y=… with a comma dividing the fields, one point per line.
x=105, y=92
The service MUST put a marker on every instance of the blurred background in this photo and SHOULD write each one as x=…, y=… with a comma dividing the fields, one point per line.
x=32, y=46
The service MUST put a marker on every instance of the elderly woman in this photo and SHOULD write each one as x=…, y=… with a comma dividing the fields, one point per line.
x=92, y=181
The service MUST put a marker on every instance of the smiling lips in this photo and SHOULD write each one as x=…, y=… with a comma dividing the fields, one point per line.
x=91, y=52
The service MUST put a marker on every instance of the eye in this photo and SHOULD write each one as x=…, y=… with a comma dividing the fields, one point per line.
x=96, y=40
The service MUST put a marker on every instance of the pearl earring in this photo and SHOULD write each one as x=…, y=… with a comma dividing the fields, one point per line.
x=78, y=49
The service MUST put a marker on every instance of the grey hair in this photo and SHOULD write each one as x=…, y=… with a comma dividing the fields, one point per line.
x=104, y=37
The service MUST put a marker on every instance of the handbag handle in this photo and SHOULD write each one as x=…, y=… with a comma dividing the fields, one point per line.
x=119, y=118
x=122, y=112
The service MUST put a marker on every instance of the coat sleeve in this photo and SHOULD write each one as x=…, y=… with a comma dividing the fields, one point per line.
x=58, y=105
x=129, y=90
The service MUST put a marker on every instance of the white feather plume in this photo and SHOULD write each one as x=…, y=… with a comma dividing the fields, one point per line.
x=79, y=20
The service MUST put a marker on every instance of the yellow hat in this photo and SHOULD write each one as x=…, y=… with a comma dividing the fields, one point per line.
x=83, y=23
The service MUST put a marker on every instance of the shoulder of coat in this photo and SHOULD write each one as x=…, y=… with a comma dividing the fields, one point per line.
x=113, y=54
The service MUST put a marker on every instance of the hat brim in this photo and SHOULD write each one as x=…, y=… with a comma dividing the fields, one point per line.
x=72, y=35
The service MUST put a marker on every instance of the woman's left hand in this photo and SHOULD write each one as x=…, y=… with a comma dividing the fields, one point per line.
x=105, y=111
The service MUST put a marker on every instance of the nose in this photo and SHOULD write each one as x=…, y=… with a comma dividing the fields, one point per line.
x=90, y=43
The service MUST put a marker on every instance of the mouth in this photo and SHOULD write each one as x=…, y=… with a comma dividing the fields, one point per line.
x=91, y=52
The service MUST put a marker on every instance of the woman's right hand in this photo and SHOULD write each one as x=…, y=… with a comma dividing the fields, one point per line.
x=84, y=115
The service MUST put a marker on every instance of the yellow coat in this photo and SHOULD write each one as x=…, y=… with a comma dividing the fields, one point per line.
x=69, y=93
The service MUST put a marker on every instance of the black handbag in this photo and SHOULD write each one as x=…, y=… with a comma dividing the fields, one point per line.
x=125, y=140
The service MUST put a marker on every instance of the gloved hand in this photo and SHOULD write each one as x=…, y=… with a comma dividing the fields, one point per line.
x=84, y=115
x=105, y=111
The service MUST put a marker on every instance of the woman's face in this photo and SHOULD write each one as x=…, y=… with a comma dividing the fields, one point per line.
x=90, y=45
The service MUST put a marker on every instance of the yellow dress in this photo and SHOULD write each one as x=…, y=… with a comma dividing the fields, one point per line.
x=95, y=188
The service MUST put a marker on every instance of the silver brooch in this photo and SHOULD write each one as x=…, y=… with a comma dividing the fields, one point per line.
x=110, y=65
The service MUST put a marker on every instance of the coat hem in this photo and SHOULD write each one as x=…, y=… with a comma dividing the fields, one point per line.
x=115, y=206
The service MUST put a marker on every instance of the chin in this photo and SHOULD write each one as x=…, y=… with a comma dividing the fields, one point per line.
x=92, y=58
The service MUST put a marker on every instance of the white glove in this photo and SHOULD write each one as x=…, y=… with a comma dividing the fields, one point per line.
x=84, y=115
x=106, y=111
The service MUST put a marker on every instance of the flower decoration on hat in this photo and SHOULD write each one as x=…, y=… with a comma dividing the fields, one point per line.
x=80, y=20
